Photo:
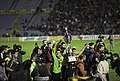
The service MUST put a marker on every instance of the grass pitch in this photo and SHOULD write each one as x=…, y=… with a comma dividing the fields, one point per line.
x=28, y=47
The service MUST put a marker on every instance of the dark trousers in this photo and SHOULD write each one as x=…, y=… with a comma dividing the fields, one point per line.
x=71, y=71
x=56, y=76
x=64, y=77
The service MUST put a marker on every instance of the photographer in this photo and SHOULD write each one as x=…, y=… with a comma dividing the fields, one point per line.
x=3, y=50
x=18, y=48
x=115, y=63
x=14, y=65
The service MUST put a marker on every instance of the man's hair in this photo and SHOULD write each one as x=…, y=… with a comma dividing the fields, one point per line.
x=115, y=55
x=43, y=41
x=3, y=47
x=62, y=43
x=81, y=56
x=48, y=43
x=99, y=46
x=91, y=43
x=73, y=49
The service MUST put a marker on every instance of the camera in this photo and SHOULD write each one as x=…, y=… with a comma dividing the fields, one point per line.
x=17, y=47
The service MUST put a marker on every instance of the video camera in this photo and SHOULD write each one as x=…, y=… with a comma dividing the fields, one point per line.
x=17, y=47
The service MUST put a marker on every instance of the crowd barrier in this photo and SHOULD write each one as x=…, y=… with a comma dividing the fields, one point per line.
x=40, y=38
x=9, y=39
x=95, y=37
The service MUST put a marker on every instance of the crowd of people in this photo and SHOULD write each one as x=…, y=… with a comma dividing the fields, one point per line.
x=83, y=17
x=10, y=61
x=54, y=61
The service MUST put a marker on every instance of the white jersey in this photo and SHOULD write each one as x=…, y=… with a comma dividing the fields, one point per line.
x=102, y=70
x=103, y=67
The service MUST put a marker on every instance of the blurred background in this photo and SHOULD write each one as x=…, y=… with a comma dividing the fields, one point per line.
x=50, y=17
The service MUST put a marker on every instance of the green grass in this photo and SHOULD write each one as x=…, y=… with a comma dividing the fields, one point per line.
x=28, y=47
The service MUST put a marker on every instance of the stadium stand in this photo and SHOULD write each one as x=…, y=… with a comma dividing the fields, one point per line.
x=86, y=16
x=50, y=17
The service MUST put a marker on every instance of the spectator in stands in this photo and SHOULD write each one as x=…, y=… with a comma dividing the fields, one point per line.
x=93, y=20
x=81, y=17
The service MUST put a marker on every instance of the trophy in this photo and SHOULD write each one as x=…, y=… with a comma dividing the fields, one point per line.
x=67, y=39
x=67, y=36
x=70, y=58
